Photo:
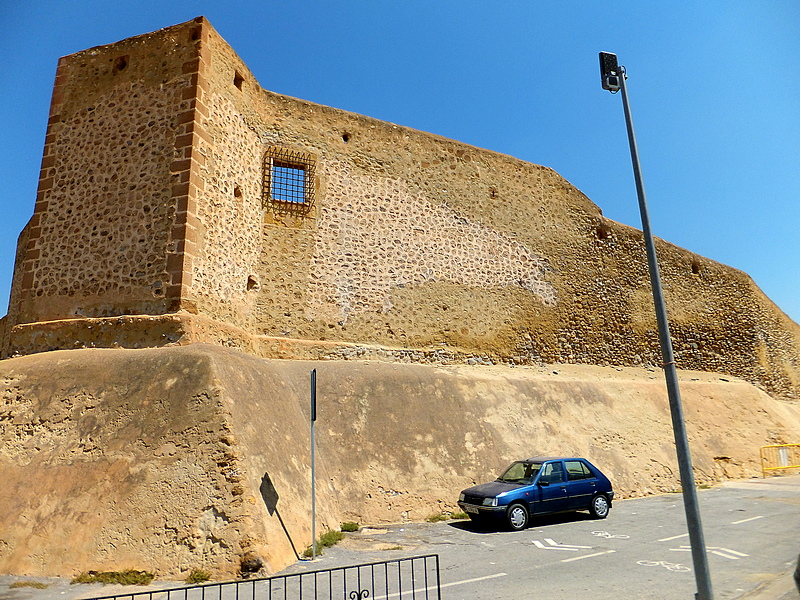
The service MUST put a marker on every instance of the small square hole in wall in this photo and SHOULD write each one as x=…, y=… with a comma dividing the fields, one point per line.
x=238, y=79
x=289, y=178
x=120, y=64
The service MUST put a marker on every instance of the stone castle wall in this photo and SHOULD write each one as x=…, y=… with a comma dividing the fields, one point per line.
x=152, y=203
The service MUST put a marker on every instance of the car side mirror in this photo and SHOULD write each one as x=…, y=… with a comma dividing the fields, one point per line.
x=544, y=483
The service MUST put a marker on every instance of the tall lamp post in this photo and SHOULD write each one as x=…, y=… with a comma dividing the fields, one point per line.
x=613, y=78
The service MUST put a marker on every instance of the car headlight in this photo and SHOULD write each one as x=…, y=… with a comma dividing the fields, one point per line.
x=461, y=497
x=490, y=501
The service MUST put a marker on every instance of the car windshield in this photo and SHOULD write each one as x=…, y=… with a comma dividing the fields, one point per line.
x=520, y=472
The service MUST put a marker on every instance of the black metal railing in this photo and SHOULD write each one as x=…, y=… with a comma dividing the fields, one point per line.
x=413, y=578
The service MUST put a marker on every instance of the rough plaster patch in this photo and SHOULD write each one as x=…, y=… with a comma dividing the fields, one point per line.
x=375, y=235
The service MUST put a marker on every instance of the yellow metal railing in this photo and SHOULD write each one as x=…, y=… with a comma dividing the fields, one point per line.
x=779, y=457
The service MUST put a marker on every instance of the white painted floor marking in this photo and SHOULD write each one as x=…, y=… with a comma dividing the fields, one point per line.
x=541, y=546
x=723, y=555
x=674, y=537
x=746, y=520
x=662, y=563
x=608, y=536
x=556, y=546
x=443, y=585
x=719, y=551
x=463, y=581
x=726, y=552
x=552, y=543
x=588, y=556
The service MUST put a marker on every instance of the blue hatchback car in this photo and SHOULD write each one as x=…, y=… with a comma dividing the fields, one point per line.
x=537, y=486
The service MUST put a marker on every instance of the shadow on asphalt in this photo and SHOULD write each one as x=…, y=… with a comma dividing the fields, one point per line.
x=543, y=521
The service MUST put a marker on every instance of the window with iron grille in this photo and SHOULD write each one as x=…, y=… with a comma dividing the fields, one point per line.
x=289, y=177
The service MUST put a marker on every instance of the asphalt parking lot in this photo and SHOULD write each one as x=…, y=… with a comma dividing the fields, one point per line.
x=752, y=534
x=751, y=528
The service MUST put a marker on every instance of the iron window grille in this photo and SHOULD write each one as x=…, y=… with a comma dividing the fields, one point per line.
x=289, y=179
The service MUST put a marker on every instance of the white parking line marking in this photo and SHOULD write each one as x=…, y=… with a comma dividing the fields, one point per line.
x=556, y=546
x=746, y=520
x=552, y=543
x=719, y=551
x=462, y=582
x=443, y=585
x=674, y=537
x=726, y=552
x=541, y=546
x=588, y=556
x=723, y=555
x=733, y=551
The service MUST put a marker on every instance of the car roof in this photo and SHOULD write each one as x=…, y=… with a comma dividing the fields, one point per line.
x=541, y=459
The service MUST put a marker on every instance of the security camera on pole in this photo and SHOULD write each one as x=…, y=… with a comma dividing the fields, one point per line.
x=613, y=79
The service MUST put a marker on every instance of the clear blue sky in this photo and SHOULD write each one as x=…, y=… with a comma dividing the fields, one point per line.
x=714, y=86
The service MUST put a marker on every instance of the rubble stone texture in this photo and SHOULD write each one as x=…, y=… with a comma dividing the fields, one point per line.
x=152, y=230
x=151, y=203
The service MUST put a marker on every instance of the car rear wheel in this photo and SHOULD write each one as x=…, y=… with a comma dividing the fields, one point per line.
x=517, y=517
x=599, y=506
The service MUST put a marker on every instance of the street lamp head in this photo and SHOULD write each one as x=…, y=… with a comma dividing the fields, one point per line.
x=610, y=72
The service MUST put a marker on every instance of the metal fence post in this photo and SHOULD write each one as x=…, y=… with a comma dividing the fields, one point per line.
x=313, y=465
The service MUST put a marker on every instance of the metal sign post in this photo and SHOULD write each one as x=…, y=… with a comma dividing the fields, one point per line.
x=313, y=466
x=613, y=79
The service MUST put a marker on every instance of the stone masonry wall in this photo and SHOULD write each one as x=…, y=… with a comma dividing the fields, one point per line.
x=229, y=211
x=103, y=228
x=152, y=203
x=419, y=242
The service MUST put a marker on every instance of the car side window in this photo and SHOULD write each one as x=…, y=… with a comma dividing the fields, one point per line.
x=552, y=473
x=576, y=470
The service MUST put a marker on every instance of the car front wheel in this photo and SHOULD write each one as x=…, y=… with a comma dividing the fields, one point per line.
x=599, y=507
x=517, y=517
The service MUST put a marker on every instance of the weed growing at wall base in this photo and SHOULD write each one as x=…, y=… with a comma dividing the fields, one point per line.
x=437, y=517
x=129, y=577
x=326, y=540
x=198, y=576
x=33, y=584
x=446, y=516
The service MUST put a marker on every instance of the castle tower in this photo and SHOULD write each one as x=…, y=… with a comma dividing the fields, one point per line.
x=116, y=223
